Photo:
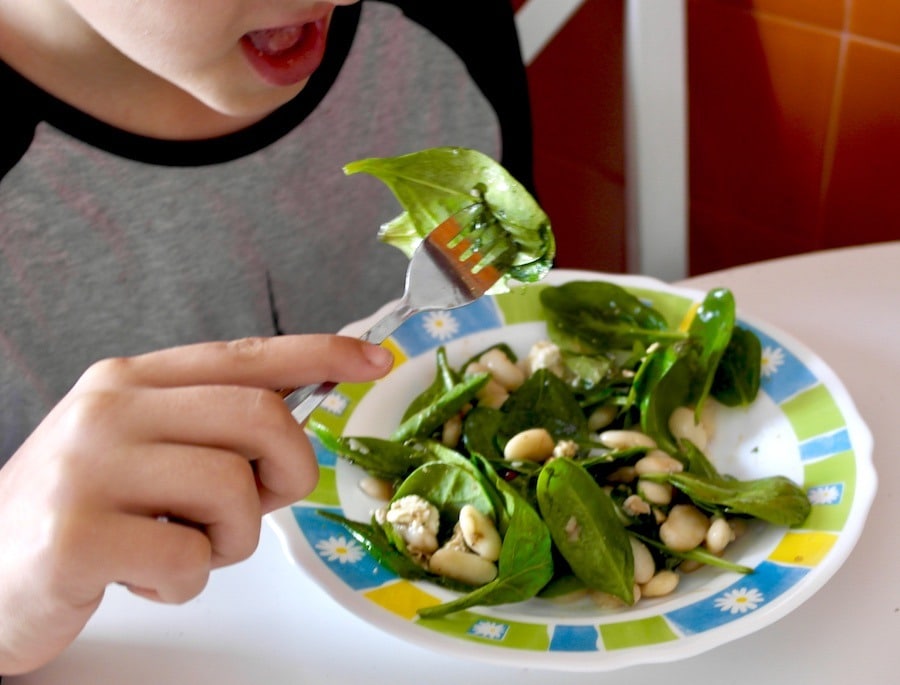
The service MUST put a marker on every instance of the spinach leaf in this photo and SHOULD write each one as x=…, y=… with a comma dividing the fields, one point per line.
x=381, y=458
x=586, y=528
x=736, y=382
x=445, y=378
x=543, y=401
x=710, y=330
x=775, y=499
x=601, y=316
x=480, y=430
x=432, y=184
x=431, y=417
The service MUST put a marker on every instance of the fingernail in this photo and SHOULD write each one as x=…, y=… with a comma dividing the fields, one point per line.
x=378, y=355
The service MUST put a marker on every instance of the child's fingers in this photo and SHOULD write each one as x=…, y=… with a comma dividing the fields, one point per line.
x=279, y=362
x=250, y=422
x=157, y=559
x=210, y=489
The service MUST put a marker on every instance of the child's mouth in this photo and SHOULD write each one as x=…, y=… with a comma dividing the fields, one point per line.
x=286, y=55
x=276, y=41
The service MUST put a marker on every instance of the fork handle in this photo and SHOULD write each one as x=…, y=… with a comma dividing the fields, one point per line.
x=304, y=400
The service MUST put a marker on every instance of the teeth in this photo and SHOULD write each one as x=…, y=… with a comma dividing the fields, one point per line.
x=273, y=41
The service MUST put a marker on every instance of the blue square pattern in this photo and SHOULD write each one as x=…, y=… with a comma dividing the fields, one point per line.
x=825, y=445
x=783, y=374
x=747, y=594
x=575, y=639
x=324, y=456
x=427, y=330
x=335, y=547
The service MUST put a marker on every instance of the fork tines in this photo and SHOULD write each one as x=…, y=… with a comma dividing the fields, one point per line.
x=461, y=256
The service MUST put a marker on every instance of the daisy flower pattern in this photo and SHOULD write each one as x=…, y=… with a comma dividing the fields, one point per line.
x=489, y=629
x=335, y=403
x=772, y=359
x=825, y=494
x=340, y=549
x=740, y=600
x=440, y=325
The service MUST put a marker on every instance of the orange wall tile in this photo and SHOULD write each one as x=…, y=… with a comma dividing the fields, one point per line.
x=878, y=19
x=823, y=13
x=863, y=198
x=795, y=127
x=760, y=96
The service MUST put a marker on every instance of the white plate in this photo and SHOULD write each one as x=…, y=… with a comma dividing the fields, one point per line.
x=803, y=425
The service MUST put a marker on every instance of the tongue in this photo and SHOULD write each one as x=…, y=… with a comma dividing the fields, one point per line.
x=274, y=41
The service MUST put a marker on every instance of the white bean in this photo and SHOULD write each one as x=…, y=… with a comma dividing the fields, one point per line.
x=451, y=432
x=480, y=533
x=644, y=566
x=504, y=371
x=623, y=474
x=625, y=439
x=685, y=528
x=534, y=444
x=377, y=488
x=657, y=461
x=492, y=395
x=683, y=425
x=719, y=535
x=636, y=505
x=462, y=566
x=655, y=493
x=660, y=585
x=601, y=417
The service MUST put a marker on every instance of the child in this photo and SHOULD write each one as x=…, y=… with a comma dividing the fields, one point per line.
x=171, y=175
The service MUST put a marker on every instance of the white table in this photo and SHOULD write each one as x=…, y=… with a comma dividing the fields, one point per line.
x=263, y=621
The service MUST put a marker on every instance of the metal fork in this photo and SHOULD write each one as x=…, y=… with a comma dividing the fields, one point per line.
x=444, y=273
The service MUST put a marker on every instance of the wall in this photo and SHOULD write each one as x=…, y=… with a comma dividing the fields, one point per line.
x=794, y=124
x=576, y=97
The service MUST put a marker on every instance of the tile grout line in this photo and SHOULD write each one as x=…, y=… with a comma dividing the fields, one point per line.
x=842, y=32
x=831, y=134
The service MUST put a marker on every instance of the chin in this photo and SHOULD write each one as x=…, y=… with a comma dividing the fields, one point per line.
x=249, y=106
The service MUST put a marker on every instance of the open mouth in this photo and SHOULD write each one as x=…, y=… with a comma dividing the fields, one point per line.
x=278, y=41
x=286, y=55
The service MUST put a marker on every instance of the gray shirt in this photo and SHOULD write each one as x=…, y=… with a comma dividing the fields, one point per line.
x=114, y=245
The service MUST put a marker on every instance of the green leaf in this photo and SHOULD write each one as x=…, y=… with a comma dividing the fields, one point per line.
x=431, y=417
x=381, y=458
x=586, y=529
x=601, y=316
x=445, y=378
x=432, y=184
x=711, y=330
x=543, y=401
x=736, y=382
x=775, y=499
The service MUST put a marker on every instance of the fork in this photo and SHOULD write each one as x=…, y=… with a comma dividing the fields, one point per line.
x=445, y=272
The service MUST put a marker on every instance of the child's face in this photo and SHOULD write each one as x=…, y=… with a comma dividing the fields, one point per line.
x=239, y=57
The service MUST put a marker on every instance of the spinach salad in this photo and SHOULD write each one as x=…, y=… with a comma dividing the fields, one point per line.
x=580, y=468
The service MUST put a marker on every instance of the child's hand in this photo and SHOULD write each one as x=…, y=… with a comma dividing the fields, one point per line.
x=152, y=471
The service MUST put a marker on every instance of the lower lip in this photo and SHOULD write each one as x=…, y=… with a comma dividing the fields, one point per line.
x=294, y=65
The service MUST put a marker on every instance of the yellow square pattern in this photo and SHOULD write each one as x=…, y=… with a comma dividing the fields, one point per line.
x=803, y=549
